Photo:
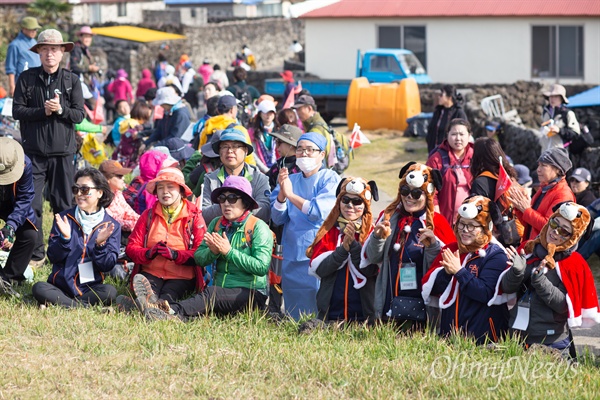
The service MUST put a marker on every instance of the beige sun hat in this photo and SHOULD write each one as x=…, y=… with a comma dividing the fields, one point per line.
x=12, y=161
x=557, y=90
x=51, y=36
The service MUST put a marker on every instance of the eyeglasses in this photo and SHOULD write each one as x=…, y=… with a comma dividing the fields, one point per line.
x=555, y=226
x=227, y=149
x=309, y=151
x=356, y=201
x=84, y=190
x=230, y=198
x=467, y=227
x=414, y=193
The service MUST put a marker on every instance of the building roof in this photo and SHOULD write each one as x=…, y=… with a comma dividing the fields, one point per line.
x=72, y=2
x=135, y=34
x=456, y=8
x=206, y=2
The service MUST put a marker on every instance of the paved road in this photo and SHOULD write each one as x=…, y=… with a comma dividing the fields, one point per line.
x=585, y=338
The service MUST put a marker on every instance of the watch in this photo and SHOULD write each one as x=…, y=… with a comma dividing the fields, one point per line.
x=60, y=111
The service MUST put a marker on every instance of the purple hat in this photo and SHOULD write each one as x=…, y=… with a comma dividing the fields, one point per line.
x=236, y=184
x=121, y=73
x=318, y=139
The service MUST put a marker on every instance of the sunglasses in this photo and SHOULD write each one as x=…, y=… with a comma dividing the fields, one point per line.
x=354, y=200
x=230, y=198
x=555, y=226
x=414, y=193
x=84, y=190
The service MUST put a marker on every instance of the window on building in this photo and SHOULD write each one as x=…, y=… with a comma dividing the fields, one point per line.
x=413, y=38
x=557, y=51
x=122, y=9
x=193, y=13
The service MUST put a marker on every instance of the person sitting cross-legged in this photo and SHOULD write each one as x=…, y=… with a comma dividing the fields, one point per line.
x=83, y=245
x=239, y=246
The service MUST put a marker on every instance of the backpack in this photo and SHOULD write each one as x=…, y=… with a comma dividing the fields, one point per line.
x=340, y=146
x=446, y=161
x=197, y=84
x=582, y=142
x=510, y=230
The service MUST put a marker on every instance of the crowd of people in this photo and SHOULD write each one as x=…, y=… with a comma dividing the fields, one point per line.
x=463, y=247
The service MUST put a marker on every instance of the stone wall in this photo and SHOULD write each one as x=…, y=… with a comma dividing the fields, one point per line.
x=520, y=141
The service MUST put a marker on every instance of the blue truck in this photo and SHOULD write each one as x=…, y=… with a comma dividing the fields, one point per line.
x=378, y=66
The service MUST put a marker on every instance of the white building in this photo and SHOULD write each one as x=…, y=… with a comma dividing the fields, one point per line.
x=481, y=41
x=94, y=12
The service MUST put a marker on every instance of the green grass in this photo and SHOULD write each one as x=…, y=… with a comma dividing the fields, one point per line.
x=87, y=353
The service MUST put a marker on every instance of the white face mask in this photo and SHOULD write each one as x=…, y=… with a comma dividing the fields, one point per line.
x=306, y=164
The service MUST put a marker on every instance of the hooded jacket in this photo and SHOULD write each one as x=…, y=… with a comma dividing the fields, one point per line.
x=65, y=255
x=145, y=83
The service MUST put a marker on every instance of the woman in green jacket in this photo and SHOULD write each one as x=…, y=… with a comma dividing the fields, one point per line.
x=239, y=246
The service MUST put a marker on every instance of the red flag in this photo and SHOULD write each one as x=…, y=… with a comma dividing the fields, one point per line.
x=357, y=138
x=504, y=182
x=289, y=102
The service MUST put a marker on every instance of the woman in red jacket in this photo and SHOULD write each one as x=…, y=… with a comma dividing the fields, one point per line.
x=453, y=159
x=164, y=240
x=534, y=213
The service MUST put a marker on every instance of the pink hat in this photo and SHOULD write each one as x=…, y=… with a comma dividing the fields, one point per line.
x=85, y=30
x=173, y=175
x=287, y=75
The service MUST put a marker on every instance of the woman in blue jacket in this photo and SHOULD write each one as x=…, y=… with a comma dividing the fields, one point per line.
x=463, y=280
x=83, y=245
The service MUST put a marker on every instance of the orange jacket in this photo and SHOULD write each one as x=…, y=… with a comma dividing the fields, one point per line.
x=188, y=227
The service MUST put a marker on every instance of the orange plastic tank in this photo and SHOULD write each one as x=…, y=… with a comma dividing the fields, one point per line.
x=388, y=105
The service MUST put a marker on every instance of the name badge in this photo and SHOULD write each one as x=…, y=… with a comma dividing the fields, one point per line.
x=86, y=272
x=408, y=276
x=522, y=320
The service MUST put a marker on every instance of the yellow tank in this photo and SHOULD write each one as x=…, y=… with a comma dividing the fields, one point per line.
x=388, y=105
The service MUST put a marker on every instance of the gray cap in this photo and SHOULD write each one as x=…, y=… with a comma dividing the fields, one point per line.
x=558, y=157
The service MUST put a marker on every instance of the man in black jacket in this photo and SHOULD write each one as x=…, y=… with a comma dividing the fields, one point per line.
x=49, y=102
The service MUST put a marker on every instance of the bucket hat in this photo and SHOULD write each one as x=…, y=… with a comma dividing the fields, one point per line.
x=85, y=30
x=113, y=167
x=12, y=161
x=289, y=134
x=30, y=23
x=236, y=184
x=207, y=148
x=173, y=175
x=557, y=90
x=233, y=135
x=51, y=36
x=166, y=95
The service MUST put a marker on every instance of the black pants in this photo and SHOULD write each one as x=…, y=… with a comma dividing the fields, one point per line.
x=220, y=301
x=47, y=293
x=20, y=253
x=171, y=290
x=58, y=173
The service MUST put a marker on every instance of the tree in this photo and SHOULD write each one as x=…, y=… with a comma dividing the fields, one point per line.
x=52, y=13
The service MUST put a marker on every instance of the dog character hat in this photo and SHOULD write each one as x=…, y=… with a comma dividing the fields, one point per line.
x=486, y=213
x=367, y=191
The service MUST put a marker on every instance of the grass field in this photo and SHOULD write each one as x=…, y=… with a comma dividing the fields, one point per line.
x=89, y=353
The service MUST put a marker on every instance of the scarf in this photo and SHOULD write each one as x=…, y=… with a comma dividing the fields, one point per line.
x=171, y=215
x=89, y=221
x=342, y=222
x=226, y=224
